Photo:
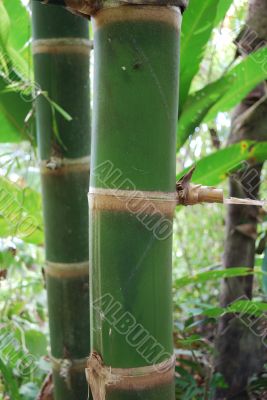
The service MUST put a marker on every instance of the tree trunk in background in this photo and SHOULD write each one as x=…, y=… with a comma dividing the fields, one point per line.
x=132, y=200
x=239, y=348
x=61, y=50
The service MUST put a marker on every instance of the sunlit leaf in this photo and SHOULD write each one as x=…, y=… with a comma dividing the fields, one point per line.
x=216, y=167
x=206, y=276
x=198, y=22
x=20, y=211
x=222, y=94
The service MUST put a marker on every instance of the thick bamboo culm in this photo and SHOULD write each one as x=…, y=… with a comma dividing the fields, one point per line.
x=61, y=51
x=136, y=50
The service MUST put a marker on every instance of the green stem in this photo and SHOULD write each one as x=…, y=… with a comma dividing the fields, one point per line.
x=61, y=50
x=133, y=148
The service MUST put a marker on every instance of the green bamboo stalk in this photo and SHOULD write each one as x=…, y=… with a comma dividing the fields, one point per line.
x=133, y=149
x=61, y=50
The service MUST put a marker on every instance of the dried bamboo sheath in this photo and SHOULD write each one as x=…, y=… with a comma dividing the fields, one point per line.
x=88, y=8
x=133, y=148
x=61, y=59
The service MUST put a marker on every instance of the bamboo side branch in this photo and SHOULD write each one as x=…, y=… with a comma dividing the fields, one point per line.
x=197, y=194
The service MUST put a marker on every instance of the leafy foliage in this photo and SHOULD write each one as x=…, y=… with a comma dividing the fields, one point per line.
x=203, y=277
x=23, y=333
x=198, y=233
x=222, y=94
x=196, y=31
x=216, y=167
x=20, y=18
x=15, y=75
x=20, y=212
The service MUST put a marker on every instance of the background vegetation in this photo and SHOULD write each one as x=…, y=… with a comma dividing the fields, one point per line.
x=212, y=82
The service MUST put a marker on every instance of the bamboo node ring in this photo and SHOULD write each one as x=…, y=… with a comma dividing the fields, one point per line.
x=62, y=46
x=67, y=270
x=134, y=201
x=66, y=366
x=102, y=378
x=57, y=165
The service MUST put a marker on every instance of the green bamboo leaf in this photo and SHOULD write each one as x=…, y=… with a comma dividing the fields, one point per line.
x=60, y=110
x=20, y=212
x=214, y=312
x=56, y=107
x=19, y=65
x=198, y=23
x=8, y=134
x=258, y=151
x=36, y=343
x=13, y=110
x=216, y=167
x=10, y=382
x=4, y=25
x=223, y=7
x=20, y=23
x=222, y=94
x=239, y=307
x=242, y=79
x=204, y=277
x=190, y=340
x=258, y=261
x=15, y=105
x=247, y=307
x=4, y=62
